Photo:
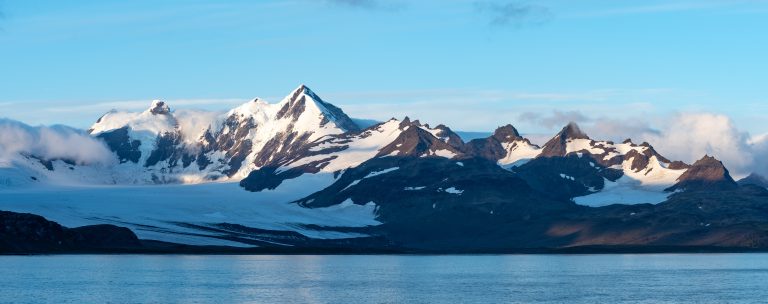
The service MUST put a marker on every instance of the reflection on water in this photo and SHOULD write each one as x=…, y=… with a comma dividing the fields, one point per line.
x=704, y=278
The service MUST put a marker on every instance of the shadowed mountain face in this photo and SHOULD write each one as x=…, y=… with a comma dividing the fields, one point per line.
x=754, y=179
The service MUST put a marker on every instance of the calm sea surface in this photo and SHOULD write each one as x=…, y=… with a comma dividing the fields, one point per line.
x=664, y=278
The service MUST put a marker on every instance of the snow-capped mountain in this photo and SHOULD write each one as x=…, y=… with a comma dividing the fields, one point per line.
x=262, y=144
x=301, y=170
x=157, y=146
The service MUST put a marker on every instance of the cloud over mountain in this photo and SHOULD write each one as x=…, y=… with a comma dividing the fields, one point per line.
x=56, y=142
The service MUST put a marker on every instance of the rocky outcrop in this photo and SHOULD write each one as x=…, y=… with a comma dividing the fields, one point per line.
x=492, y=147
x=706, y=174
x=415, y=141
x=28, y=233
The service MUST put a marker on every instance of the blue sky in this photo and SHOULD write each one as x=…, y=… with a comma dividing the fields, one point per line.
x=473, y=65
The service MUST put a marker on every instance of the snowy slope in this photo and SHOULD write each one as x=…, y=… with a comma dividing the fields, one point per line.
x=646, y=174
x=155, y=212
x=518, y=152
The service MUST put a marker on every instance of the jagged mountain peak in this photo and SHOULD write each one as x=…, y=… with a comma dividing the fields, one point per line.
x=159, y=107
x=557, y=146
x=572, y=131
x=707, y=173
x=303, y=99
x=506, y=133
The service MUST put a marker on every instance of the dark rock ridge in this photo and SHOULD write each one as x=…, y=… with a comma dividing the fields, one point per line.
x=415, y=141
x=706, y=174
x=492, y=148
x=28, y=233
x=122, y=145
x=754, y=179
x=473, y=205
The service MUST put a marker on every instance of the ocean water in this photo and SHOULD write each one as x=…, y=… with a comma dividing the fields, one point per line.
x=645, y=278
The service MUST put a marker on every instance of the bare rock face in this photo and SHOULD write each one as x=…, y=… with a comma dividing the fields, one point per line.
x=122, y=145
x=707, y=174
x=492, y=148
x=557, y=145
x=415, y=142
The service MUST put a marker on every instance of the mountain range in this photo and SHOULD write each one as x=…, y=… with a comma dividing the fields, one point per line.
x=300, y=175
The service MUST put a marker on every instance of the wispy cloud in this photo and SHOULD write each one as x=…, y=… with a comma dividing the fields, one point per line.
x=553, y=119
x=484, y=110
x=51, y=143
x=133, y=105
x=666, y=7
x=513, y=13
x=366, y=4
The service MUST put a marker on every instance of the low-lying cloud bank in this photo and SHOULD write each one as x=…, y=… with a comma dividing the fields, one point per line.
x=681, y=136
x=55, y=142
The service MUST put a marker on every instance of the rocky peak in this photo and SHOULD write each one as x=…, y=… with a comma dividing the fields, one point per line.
x=303, y=98
x=572, y=131
x=414, y=142
x=451, y=138
x=407, y=122
x=159, y=107
x=506, y=133
x=706, y=174
x=557, y=145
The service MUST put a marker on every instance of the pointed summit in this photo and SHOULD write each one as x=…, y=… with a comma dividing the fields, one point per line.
x=706, y=174
x=557, y=145
x=506, y=133
x=159, y=107
x=572, y=131
x=303, y=99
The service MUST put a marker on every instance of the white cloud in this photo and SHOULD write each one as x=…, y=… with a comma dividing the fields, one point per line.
x=194, y=123
x=690, y=136
x=681, y=136
x=56, y=142
x=138, y=105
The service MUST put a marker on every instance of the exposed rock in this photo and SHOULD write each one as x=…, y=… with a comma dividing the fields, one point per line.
x=28, y=233
x=415, y=142
x=125, y=148
x=492, y=148
x=557, y=145
x=706, y=174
